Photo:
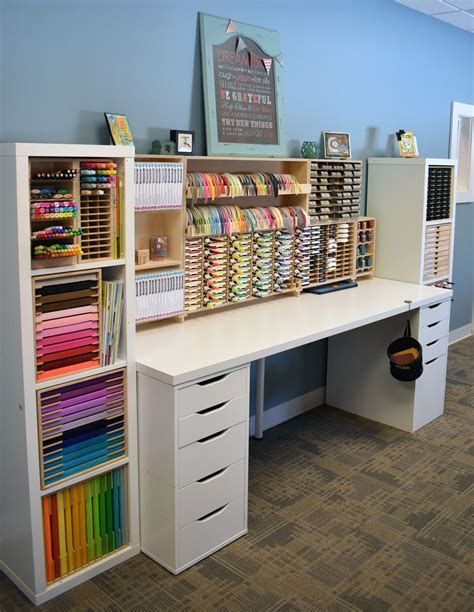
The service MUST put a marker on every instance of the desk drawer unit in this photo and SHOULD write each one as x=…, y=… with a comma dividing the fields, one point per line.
x=405, y=405
x=193, y=444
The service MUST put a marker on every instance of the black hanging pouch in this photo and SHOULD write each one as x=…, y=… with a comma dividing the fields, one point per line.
x=406, y=357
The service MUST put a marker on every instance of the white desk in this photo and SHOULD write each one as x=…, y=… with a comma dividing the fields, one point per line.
x=193, y=398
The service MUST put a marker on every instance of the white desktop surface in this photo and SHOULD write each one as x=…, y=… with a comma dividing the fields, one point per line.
x=176, y=353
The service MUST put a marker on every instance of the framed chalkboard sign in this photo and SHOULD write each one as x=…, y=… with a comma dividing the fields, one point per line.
x=242, y=75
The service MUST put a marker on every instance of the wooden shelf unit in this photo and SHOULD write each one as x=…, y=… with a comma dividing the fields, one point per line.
x=365, y=255
x=413, y=202
x=188, y=252
x=47, y=309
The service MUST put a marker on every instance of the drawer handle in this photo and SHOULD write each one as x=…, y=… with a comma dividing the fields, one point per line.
x=212, y=476
x=431, y=343
x=434, y=324
x=206, y=517
x=431, y=361
x=211, y=381
x=212, y=408
x=435, y=305
x=213, y=436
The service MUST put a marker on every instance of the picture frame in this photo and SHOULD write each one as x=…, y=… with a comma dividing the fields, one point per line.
x=407, y=144
x=337, y=145
x=119, y=129
x=184, y=140
x=242, y=71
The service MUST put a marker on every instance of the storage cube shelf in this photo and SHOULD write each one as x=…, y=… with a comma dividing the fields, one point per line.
x=413, y=202
x=69, y=381
x=84, y=522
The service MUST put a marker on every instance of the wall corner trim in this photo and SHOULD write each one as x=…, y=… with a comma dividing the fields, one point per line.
x=289, y=409
x=460, y=333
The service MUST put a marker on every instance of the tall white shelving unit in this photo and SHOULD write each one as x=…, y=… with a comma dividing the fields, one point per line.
x=413, y=201
x=22, y=487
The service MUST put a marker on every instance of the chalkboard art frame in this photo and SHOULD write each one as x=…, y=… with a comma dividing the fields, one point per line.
x=242, y=82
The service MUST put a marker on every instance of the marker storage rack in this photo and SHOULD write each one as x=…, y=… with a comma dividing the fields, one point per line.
x=439, y=199
x=224, y=270
x=365, y=256
x=325, y=253
x=76, y=211
x=335, y=189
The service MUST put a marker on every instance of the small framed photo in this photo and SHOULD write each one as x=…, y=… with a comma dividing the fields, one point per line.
x=337, y=145
x=407, y=145
x=184, y=141
x=119, y=129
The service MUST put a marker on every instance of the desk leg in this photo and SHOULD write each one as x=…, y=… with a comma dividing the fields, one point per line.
x=260, y=398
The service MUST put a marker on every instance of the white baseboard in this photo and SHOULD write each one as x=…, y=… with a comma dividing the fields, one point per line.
x=460, y=333
x=287, y=410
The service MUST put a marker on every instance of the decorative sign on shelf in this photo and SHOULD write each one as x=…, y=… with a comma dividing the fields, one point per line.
x=242, y=68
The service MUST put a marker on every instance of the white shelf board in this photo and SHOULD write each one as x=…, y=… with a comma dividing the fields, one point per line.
x=439, y=222
x=90, y=265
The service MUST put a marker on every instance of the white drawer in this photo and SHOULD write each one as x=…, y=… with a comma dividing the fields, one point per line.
x=211, y=492
x=433, y=331
x=429, y=391
x=211, y=420
x=211, y=392
x=202, y=536
x=436, y=312
x=434, y=349
x=211, y=454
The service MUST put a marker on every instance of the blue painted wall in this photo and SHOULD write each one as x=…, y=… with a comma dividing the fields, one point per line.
x=364, y=66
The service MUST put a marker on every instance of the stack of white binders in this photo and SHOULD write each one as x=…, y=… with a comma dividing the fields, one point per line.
x=158, y=185
x=159, y=295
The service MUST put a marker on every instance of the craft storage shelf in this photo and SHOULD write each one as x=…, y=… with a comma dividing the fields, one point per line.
x=335, y=189
x=68, y=368
x=413, y=202
x=191, y=254
x=365, y=255
x=246, y=264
